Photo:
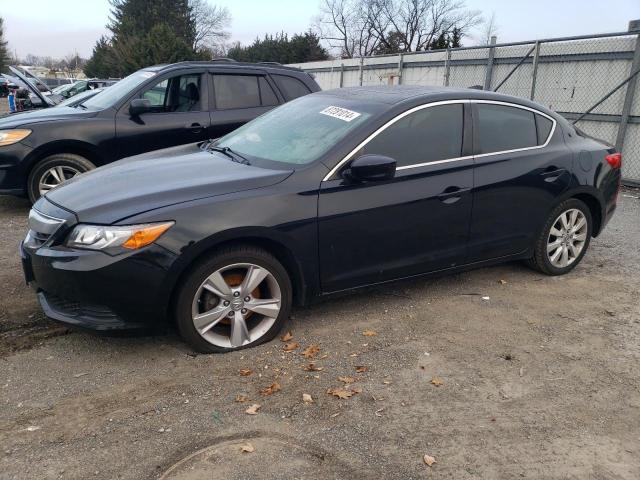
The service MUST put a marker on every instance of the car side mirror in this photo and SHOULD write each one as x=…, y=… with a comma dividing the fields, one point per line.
x=138, y=106
x=371, y=168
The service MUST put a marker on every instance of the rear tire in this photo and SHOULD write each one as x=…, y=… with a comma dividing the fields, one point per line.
x=220, y=309
x=564, y=239
x=54, y=170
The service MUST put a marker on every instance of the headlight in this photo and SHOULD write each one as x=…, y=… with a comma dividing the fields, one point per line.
x=116, y=239
x=9, y=137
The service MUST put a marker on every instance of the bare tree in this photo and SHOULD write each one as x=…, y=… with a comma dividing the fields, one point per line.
x=487, y=29
x=211, y=22
x=362, y=27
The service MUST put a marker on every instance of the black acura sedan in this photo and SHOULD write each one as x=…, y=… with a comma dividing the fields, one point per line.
x=333, y=191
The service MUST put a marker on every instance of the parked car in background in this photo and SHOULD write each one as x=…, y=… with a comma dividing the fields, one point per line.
x=36, y=93
x=156, y=107
x=333, y=191
x=80, y=98
x=68, y=91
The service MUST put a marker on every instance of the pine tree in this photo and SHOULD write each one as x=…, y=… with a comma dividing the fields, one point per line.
x=4, y=52
x=280, y=48
x=144, y=33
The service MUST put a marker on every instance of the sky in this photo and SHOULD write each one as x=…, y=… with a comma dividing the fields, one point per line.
x=61, y=27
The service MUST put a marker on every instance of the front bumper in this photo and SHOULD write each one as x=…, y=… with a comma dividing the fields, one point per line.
x=13, y=169
x=95, y=291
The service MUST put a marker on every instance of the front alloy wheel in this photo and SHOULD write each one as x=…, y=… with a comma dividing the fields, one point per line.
x=236, y=305
x=237, y=298
x=55, y=176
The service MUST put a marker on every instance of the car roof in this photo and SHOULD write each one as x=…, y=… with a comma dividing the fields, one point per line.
x=416, y=94
x=227, y=63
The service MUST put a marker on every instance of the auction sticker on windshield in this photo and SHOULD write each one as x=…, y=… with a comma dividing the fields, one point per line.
x=340, y=113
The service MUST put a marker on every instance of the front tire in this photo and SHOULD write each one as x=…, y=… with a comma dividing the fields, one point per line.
x=53, y=171
x=564, y=239
x=237, y=298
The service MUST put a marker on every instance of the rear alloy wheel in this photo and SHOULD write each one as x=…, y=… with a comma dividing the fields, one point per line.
x=238, y=298
x=53, y=171
x=564, y=239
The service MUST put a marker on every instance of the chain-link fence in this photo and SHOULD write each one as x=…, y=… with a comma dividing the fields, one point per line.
x=590, y=80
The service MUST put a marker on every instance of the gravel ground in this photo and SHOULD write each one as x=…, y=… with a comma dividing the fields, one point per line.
x=539, y=381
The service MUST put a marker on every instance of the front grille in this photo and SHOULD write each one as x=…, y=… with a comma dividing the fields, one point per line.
x=71, y=308
x=41, y=228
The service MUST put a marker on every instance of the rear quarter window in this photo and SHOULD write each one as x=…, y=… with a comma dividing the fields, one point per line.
x=290, y=87
x=543, y=128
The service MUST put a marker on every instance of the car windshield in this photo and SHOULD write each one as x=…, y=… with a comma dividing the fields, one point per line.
x=298, y=132
x=109, y=97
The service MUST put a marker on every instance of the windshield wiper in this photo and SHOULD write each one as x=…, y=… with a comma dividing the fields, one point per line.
x=234, y=156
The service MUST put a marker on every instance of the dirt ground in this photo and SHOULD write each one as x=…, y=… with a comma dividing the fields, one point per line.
x=541, y=380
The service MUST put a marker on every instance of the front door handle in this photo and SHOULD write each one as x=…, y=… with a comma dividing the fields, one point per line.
x=452, y=194
x=194, y=127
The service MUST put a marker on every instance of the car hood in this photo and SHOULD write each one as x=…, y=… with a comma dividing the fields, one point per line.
x=157, y=179
x=16, y=120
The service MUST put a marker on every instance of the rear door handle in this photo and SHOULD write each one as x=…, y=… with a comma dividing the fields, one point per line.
x=552, y=173
x=194, y=127
x=452, y=194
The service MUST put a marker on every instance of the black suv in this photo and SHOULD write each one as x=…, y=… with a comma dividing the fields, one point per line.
x=153, y=108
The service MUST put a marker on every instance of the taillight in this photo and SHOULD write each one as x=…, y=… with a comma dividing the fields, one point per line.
x=614, y=159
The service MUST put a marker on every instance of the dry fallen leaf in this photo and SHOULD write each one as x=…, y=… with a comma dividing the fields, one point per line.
x=355, y=390
x=361, y=368
x=437, y=381
x=311, y=351
x=289, y=347
x=429, y=460
x=286, y=337
x=347, y=379
x=271, y=389
x=241, y=398
x=306, y=398
x=253, y=409
x=312, y=368
x=503, y=282
x=340, y=392
x=245, y=372
x=247, y=448
x=369, y=333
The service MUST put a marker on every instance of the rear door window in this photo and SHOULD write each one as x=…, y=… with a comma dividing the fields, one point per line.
x=427, y=135
x=502, y=128
x=290, y=87
x=242, y=91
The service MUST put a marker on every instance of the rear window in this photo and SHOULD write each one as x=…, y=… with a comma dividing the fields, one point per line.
x=504, y=128
x=290, y=87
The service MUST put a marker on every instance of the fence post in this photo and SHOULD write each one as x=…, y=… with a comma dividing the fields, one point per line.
x=447, y=67
x=341, y=75
x=489, y=71
x=400, y=67
x=628, y=98
x=360, y=73
x=534, y=74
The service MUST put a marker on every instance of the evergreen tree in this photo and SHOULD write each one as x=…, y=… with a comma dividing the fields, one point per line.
x=4, y=52
x=144, y=33
x=279, y=48
x=100, y=63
